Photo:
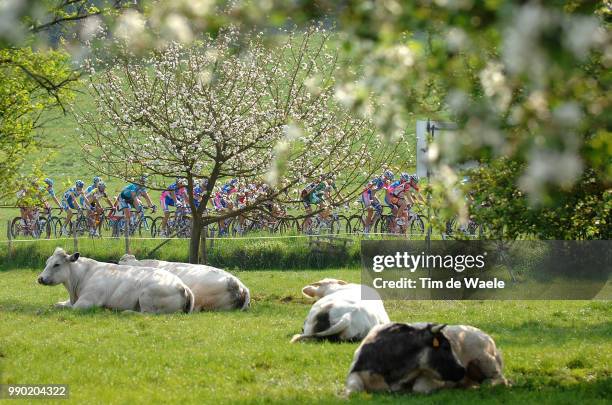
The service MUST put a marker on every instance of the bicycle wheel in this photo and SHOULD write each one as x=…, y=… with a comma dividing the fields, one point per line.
x=382, y=224
x=82, y=226
x=144, y=225
x=156, y=227
x=43, y=228
x=118, y=228
x=18, y=227
x=417, y=227
x=56, y=226
x=335, y=224
x=355, y=225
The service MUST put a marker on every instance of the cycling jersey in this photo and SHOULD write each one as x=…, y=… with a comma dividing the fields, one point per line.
x=70, y=197
x=96, y=194
x=129, y=193
x=198, y=191
x=228, y=189
x=48, y=190
x=219, y=202
x=315, y=196
x=166, y=200
x=87, y=191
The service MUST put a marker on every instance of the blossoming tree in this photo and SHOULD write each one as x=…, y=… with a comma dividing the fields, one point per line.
x=226, y=108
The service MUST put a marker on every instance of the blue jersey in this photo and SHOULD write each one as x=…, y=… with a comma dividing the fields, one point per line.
x=228, y=188
x=50, y=191
x=71, y=193
x=126, y=193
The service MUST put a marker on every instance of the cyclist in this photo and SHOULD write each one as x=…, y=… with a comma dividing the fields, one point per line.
x=94, y=184
x=92, y=198
x=173, y=196
x=130, y=197
x=26, y=205
x=399, y=196
x=199, y=189
x=315, y=193
x=48, y=189
x=370, y=201
x=69, y=202
x=415, y=191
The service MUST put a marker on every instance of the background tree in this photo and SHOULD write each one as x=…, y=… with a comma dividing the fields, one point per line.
x=230, y=108
x=31, y=83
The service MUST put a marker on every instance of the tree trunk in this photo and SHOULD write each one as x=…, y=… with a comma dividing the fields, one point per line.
x=194, y=241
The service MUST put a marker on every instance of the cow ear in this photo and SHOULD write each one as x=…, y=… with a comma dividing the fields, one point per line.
x=342, y=282
x=435, y=343
x=74, y=257
x=437, y=328
x=309, y=291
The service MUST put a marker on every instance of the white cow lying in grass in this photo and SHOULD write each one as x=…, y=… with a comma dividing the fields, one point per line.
x=129, y=288
x=340, y=313
x=213, y=289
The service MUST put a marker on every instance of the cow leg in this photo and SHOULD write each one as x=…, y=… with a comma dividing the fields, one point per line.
x=425, y=385
x=83, y=303
x=63, y=304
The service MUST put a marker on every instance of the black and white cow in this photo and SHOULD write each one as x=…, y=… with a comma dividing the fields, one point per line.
x=399, y=357
x=341, y=313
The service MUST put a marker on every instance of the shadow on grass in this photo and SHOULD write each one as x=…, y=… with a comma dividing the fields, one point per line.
x=597, y=391
x=535, y=332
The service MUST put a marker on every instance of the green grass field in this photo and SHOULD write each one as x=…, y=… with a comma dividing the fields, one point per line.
x=555, y=352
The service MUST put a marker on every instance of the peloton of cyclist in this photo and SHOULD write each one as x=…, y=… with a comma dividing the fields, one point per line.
x=70, y=202
x=130, y=197
x=93, y=199
x=173, y=196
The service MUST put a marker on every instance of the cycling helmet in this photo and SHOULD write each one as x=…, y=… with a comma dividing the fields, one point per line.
x=233, y=181
x=79, y=184
x=378, y=182
x=49, y=182
x=414, y=178
x=405, y=177
x=388, y=174
x=101, y=185
x=96, y=180
x=143, y=179
x=182, y=182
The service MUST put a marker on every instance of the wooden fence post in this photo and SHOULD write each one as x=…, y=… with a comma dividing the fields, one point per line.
x=9, y=236
x=203, y=250
x=127, y=236
x=75, y=238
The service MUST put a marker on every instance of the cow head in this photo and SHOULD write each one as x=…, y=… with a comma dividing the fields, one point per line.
x=57, y=269
x=440, y=360
x=323, y=287
x=126, y=258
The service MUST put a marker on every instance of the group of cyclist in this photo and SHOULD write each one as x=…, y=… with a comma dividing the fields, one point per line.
x=399, y=196
x=79, y=198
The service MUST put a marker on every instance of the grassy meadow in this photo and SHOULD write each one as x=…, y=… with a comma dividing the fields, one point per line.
x=556, y=352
